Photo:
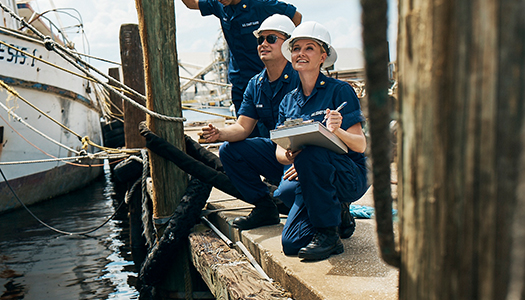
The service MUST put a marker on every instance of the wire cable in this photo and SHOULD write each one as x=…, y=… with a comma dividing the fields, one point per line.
x=85, y=66
x=19, y=119
x=116, y=87
x=16, y=94
x=80, y=154
x=84, y=140
x=51, y=227
x=46, y=62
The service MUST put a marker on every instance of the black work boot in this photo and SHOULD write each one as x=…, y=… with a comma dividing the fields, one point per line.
x=347, y=226
x=325, y=242
x=264, y=213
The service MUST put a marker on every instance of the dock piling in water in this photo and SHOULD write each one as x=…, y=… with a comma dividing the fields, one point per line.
x=131, y=56
x=157, y=33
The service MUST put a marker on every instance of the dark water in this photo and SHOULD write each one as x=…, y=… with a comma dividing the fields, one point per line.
x=37, y=263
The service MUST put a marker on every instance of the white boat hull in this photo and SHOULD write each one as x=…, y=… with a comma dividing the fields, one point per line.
x=67, y=99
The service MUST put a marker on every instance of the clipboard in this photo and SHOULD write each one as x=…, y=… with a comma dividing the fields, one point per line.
x=307, y=134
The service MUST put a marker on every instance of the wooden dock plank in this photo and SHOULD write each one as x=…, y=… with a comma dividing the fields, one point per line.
x=228, y=274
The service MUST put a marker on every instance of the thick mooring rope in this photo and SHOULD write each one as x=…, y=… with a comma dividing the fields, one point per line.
x=147, y=221
x=186, y=215
x=376, y=56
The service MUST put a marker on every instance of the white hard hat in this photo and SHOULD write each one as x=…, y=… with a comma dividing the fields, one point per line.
x=276, y=22
x=315, y=31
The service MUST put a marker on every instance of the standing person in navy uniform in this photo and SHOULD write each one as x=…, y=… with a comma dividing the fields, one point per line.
x=320, y=179
x=239, y=19
x=246, y=159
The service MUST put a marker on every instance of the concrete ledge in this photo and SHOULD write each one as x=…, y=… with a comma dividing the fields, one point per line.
x=358, y=273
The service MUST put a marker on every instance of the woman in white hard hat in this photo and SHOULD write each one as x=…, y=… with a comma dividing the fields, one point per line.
x=321, y=179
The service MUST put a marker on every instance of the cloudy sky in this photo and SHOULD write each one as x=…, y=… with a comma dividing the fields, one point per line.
x=102, y=20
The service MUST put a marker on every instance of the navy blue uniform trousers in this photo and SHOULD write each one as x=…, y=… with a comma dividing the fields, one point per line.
x=326, y=179
x=245, y=161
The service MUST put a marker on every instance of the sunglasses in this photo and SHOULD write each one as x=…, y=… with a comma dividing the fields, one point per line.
x=271, y=39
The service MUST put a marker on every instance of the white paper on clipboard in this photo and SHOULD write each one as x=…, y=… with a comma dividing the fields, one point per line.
x=314, y=134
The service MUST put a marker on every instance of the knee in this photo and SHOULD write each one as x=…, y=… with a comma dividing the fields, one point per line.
x=232, y=153
x=232, y=148
x=286, y=192
x=224, y=148
x=310, y=153
x=289, y=246
x=226, y=152
x=296, y=237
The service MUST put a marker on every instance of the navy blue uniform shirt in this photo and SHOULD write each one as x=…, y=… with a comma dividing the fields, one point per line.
x=261, y=102
x=327, y=93
x=238, y=23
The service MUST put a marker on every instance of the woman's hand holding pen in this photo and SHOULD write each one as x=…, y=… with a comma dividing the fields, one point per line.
x=334, y=120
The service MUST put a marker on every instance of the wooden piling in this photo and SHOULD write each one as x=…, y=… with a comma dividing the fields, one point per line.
x=114, y=129
x=116, y=101
x=132, y=59
x=228, y=274
x=462, y=161
x=157, y=33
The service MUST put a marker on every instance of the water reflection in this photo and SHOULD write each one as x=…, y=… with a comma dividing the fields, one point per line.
x=37, y=263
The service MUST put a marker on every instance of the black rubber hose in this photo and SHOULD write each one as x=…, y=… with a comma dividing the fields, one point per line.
x=191, y=165
x=187, y=215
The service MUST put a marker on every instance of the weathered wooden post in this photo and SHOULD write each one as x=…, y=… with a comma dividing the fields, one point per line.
x=114, y=130
x=461, y=158
x=157, y=32
x=116, y=101
x=132, y=60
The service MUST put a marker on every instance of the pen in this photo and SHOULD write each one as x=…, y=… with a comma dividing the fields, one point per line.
x=337, y=109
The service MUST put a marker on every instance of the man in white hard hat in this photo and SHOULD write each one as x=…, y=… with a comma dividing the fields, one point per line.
x=246, y=159
x=239, y=18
